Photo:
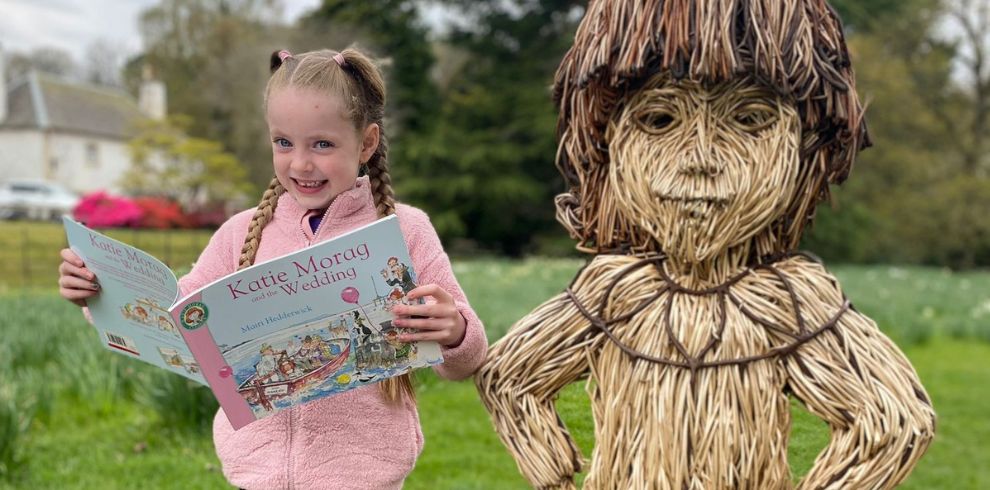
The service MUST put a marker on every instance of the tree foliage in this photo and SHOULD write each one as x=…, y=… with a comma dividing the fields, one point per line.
x=213, y=57
x=916, y=195
x=486, y=173
x=393, y=30
x=194, y=171
x=50, y=60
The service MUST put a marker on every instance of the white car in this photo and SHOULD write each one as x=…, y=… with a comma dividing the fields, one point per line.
x=35, y=199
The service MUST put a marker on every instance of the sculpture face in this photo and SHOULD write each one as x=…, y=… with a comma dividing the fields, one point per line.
x=701, y=167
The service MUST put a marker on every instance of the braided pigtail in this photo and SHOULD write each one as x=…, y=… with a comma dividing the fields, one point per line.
x=371, y=108
x=381, y=189
x=262, y=216
x=380, y=179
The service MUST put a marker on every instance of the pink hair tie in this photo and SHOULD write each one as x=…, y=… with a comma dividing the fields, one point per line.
x=339, y=58
x=283, y=55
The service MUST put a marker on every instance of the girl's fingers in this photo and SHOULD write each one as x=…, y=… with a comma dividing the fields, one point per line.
x=435, y=310
x=437, y=292
x=76, y=283
x=76, y=294
x=73, y=265
x=71, y=257
x=434, y=335
x=66, y=268
x=76, y=301
x=424, y=323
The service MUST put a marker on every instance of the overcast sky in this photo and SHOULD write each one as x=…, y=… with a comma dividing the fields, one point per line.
x=72, y=25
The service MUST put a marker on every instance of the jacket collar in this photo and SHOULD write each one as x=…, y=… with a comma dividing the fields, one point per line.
x=346, y=204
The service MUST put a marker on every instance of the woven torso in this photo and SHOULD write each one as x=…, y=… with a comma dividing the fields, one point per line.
x=681, y=377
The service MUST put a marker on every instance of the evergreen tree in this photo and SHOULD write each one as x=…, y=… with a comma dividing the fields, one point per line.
x=487, y=171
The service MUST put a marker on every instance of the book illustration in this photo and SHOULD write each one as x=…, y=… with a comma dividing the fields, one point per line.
x=295, y=365
x=172, y=358
x=377, y=345
x=398, y=276
x=122, y=343
x=148, y=313
x=320, y=357
x=190, y=365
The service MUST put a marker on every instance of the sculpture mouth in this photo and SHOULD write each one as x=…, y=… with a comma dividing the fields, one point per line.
x=696, y=208
x=720, y=202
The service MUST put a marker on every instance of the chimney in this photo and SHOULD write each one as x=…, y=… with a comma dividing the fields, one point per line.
x=3, y=86
x=151, y=98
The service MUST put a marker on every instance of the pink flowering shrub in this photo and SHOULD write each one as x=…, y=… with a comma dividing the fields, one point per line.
x=159, y=212
x=102, y=210
x=208, y=217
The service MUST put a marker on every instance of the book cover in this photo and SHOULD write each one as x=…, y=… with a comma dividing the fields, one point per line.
x=279, y=333
x=131, y=313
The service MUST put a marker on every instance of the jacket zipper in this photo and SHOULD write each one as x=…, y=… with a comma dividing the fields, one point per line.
x=292, y=412
x=319, y=227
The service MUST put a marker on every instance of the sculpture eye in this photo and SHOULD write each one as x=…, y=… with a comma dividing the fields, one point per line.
x=754, y=118
x=655, y=122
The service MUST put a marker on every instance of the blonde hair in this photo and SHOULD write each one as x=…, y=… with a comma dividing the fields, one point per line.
x=353, y=77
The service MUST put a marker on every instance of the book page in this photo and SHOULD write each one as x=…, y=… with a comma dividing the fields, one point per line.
x=131, y=311
x=306, y=325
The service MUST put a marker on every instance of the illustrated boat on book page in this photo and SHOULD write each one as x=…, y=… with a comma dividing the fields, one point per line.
x=292, y=374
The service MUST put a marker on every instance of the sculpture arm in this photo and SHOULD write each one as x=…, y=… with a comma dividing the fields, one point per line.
x=518, y=383
x=860, y=383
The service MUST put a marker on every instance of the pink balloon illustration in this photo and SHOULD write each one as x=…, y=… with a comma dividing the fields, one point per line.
x=350, y=295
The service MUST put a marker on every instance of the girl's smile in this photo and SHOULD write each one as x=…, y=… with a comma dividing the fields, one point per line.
x=309, y=186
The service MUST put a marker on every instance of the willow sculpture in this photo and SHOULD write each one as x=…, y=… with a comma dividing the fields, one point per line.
x=697, y=137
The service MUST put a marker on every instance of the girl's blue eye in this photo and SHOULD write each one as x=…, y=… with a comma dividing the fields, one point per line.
x=324, y=144
x=282, y=143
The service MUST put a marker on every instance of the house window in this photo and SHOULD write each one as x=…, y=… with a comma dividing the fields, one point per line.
x=92, y=155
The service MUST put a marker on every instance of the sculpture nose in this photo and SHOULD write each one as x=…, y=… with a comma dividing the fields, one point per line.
x=700, y=159
x=700, y=166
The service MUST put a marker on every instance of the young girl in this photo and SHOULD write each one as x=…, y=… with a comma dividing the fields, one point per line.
x=324, y=111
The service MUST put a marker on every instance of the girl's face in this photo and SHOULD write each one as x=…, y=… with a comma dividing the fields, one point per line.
x=316, y=149
x=704, y=167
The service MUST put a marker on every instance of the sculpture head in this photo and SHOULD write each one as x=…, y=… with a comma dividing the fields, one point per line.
x=694, y=144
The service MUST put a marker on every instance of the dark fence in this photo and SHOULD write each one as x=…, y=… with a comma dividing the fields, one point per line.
x=29, y=252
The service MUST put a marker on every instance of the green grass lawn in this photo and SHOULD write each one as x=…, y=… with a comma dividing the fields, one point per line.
x=84, y=418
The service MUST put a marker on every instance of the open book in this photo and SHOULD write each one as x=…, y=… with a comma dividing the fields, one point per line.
x=274, y=335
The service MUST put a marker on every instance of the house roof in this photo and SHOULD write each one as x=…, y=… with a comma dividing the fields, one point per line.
x=46, y=102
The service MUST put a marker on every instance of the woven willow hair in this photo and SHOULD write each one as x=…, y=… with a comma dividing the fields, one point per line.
x=360, y=85
x=796, y=48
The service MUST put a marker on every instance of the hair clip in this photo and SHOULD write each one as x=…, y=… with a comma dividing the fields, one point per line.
x=283, y=55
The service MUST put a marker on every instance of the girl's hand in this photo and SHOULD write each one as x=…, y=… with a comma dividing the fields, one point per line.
x=440, y=321
x=75, y=281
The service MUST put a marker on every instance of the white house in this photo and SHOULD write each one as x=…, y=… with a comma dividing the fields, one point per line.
x=68, y=132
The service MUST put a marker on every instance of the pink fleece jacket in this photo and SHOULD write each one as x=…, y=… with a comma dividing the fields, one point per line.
x=353, y=439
